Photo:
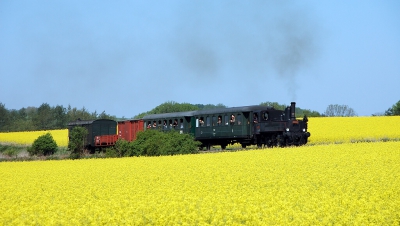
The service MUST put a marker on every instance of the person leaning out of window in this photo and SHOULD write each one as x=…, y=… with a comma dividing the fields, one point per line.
x=232, y=121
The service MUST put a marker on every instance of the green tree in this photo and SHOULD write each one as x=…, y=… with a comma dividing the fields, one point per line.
x=394, y=110
x=169, y=107
x=104, y=115
x=74, y=114
x=4, y=118
x=44, y=117
x=43, y=145
x=299, y=111
x=275, y=105
x=76, y=142
x=59, y=117
x=307, y=112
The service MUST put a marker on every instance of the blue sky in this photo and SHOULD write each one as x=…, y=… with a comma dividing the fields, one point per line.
x=127, y=57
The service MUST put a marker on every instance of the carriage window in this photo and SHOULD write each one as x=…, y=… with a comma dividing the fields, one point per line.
x=232, y=121
x=239, y=119
x=219, y=121
x=170, y=123
x=175, y=124
x=165, y=124
x=265, y=116
x=181, y=123
x=154, y=124
x=226, y=120
x=214, y=121
x=149, y=124
x=208, y=121
x=201, y=121
x=255, y=118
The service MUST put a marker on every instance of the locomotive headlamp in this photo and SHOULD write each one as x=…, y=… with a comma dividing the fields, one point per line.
x=287, y=129
x=304, y=130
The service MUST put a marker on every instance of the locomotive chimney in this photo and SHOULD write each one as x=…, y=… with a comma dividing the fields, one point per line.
x=293, y=111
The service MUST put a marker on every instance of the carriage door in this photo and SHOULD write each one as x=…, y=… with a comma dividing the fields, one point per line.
x=246, y=123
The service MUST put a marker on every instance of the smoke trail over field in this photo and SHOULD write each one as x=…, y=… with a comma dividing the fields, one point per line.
x=258, y=38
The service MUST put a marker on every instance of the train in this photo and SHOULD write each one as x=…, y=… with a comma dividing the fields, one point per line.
x=247, y=125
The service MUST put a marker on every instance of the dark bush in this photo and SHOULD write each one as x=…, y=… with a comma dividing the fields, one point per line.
x=76, y=142
x=43, y=145
x=155, y=143
x=120, y=149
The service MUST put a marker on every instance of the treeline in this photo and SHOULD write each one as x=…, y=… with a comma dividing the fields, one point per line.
x=172, y=106
x=45, y=117
x=299, y=111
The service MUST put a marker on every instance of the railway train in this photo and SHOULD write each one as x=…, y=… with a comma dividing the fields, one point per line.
x=248, y=125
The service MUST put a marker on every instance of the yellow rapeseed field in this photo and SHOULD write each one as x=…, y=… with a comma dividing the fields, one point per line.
x=344, y=184
x=353, y=129
x=27, y=138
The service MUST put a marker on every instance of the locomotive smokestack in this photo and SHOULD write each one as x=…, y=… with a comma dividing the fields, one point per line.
x=293, y=111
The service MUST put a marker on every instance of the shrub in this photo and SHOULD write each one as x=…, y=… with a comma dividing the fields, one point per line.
x=43, y=145
x=76, y=142
x=154, y=143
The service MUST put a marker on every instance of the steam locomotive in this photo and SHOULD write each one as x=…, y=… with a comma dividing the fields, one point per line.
x=248, y=125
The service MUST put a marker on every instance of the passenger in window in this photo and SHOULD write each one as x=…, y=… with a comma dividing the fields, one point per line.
x=148, y=125
x=219, y=120
x=165, y=124
x=175, y=123
x=232, y=119
x=201, y=122
x=255, y=118
x=154, y=124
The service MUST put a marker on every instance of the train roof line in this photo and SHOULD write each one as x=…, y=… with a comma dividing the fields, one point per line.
x=86, y=122
x=234, y=109
x=208, y=111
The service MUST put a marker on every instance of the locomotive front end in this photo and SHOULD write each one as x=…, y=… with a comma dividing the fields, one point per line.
x=296, y=130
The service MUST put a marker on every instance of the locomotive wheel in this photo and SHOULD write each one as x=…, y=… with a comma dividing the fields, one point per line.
x=243, y=146
x=281, y=141
x=223, y=146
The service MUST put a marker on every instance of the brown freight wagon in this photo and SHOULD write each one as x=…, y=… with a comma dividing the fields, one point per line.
x=128, y=129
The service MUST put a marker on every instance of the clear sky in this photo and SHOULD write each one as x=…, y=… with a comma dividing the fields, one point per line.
x=127, y=57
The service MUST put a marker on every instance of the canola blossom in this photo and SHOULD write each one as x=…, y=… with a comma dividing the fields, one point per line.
x=348, y=184
x=353, y=129
x=27, y=138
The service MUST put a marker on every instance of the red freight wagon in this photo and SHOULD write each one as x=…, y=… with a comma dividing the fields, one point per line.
x=128, y=129
x=105, y=140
